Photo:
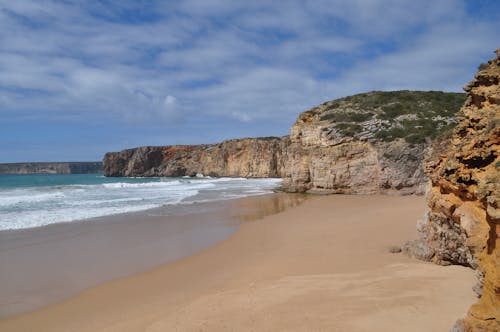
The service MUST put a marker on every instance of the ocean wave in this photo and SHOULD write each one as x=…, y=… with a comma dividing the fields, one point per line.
x=30, y=219
x=72, y=210
x=40, y=206
x=22, y=197
x=141, y=184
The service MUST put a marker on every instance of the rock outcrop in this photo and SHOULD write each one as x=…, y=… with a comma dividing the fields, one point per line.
x=368, y=143
x=463, y=224
x=52, y=168
x=249, y=157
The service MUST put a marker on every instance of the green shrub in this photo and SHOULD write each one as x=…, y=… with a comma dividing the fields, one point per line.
x=424, y=105
x=346, y=117
x=327, y=116
x=482, y=66
x=269, y=138
x=348, y=129
x=415, y=138
x=360, y=117
x=393, y=111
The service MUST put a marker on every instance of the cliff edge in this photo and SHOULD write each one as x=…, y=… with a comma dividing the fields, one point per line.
x=368, y=143
x=463, y=223
x=248, y=157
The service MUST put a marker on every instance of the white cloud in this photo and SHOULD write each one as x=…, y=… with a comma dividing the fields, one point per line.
x=170, y=101
x=249, y=61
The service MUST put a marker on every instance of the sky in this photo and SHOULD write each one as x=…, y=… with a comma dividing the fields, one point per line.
x=81, y=78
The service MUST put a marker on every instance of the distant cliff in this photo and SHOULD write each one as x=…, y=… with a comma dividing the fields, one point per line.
x=463, y=222
x=368, y=143
x=249, y=157
x=52, y=168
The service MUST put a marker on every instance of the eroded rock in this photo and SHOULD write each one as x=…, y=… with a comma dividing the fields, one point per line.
x=368, y=143
x=250, y=157
x=463, y=224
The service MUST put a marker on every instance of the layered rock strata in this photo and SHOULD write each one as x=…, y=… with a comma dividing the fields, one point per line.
x=322, y=163
x=368, y=143
x=249, y=157
x=463, y=223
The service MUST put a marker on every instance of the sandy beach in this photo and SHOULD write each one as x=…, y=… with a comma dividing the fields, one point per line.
x=323, y=265
x=44, y=265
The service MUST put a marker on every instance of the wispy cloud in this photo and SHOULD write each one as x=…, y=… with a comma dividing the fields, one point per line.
x=181, y=65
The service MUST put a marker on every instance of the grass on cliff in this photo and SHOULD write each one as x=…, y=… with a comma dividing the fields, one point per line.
x=412, y=115
x=346, y=117
x=268, y=138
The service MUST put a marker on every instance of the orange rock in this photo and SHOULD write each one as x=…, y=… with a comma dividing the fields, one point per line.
x=464, y=198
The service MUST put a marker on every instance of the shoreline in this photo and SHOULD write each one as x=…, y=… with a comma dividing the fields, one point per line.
x=53, y=262
x=32, y=201
x=323, y=265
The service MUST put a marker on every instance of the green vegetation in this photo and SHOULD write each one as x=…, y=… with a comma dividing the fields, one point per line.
x=482, y=66
x=415, y=131
x=348, y=129
x=346, y=117
x=412, y=115
x=269, y=138
x=393, y=110
x=442, y=103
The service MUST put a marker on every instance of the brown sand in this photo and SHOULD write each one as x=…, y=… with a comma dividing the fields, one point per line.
x=321, y=266
x=45, y=265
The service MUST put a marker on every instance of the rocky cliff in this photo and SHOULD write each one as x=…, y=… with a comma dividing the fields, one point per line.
x=52, y=168
x=368, y=143
x=463, y=223
x=249, y=157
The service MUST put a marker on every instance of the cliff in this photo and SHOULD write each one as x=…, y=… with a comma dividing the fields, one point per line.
x=368, y=143
x=463, y=222
x=249, y=157
x=52, y=168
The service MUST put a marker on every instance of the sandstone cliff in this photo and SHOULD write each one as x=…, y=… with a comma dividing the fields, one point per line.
x=463, y=224
x=52, y=168
x=250, y=157
x=368, y=143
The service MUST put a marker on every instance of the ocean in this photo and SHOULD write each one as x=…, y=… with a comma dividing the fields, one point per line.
x=36, y=200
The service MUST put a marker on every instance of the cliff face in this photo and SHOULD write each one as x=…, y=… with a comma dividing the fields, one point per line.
x=52, y=168
x=463, y=224
x=367, y=143
x=251, y=157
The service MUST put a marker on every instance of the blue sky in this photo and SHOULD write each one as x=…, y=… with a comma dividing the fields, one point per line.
x=80, y=78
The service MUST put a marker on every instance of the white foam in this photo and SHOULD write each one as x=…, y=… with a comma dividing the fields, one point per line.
x=141, y=185
x=30, y=219
x=72, y=210
x=9, y=198
x=40, y=206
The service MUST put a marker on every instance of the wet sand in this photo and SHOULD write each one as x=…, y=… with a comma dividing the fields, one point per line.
x=321, y=266
x=48, y=264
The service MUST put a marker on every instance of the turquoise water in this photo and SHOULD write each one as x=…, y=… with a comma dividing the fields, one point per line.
x=43, y=180
x=36, y=200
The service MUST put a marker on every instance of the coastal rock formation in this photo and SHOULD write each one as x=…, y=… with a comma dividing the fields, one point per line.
x=52, y=168
x=368, y=143
x=463, y=224
x=249, y=157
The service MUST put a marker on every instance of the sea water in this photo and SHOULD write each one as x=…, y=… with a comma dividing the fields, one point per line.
x=36, y=200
